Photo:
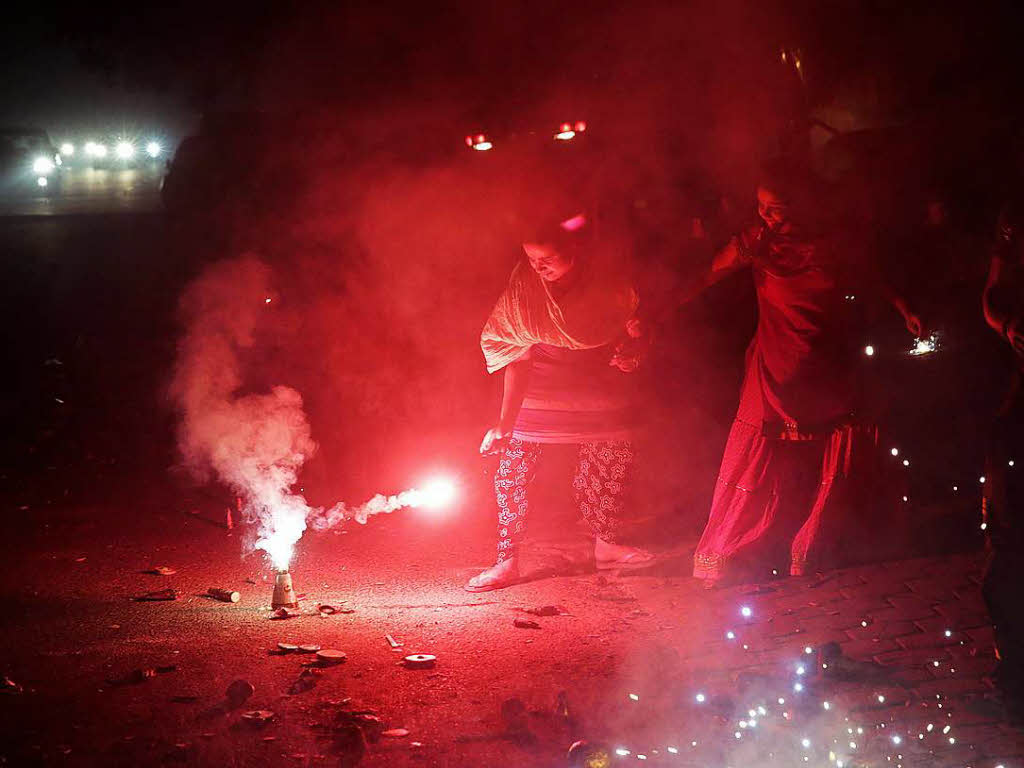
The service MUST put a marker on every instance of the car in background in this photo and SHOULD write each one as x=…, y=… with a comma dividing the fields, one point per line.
x=28, y=159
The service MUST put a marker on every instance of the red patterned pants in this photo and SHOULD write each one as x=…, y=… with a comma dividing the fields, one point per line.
x=599, y=485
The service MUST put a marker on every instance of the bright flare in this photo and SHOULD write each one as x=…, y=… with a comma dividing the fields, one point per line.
x=42, y=165
x=124, y=150
x=67, y=149
x=153, y=149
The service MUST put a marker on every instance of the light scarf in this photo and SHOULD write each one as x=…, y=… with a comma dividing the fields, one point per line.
x=593, y=312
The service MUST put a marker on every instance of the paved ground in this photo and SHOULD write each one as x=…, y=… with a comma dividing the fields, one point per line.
x=76, y=191
x=648, y=663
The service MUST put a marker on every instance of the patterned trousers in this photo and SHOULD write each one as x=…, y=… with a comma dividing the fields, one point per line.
x=599, y=485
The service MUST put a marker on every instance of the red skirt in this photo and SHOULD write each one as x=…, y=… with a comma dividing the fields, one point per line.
x=779, y=500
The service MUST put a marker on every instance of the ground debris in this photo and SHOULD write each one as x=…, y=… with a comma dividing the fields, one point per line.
x=238, y=693
x=525, y=624
x=283, y=613
x=330, y=656
x=419, y=661
x=258, y=717
x=141, y=675
x=161, y=570
x=395, y=733
x=306, y=681
x=158, y=595
x=547, y=610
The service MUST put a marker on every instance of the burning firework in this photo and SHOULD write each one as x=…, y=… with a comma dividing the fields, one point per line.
x=255, y=443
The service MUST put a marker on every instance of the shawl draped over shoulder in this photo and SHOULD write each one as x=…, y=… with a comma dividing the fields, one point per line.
x=592, y=312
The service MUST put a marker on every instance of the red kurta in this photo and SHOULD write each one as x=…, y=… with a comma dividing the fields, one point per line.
x=793, y=443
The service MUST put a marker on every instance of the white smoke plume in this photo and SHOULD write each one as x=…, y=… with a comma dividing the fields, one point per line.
x=255, y=444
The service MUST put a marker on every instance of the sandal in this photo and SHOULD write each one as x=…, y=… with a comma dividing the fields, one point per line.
x=482, y=583
x=637, y=559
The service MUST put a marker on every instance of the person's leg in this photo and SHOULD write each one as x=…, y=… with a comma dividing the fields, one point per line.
x=744, y=503
x=516, y=467
x=603, y=474
x=848, y=468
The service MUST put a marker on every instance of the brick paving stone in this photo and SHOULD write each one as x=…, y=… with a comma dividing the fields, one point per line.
x=904, y=612
x=951, y=687
x=838, y=579
x=910, y=676
x=926, y=640
x=912, y=603
x=976, y=667
x=879, y=586
x=983, y=635
x=889, y=629
x=868, y=648
x=913, y=658
x=962, y=612
x=837, y=622
x=936, y=623
x=863, y=606
x=808, y=612
x=931, y=587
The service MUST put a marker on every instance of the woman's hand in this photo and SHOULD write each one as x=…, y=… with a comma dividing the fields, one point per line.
x=915, y=325
x=493, y=441
x=1015, y=337
x=629, y=351
x=627, y=363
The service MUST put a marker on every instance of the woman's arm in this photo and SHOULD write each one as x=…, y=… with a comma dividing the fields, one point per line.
x=998, y=312
x=734, y=256
x=517, y=377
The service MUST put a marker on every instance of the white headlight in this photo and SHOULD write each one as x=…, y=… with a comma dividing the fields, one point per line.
x=124, y=149
x=42, y=165
x=41, y=181
x=95, y=150
x=153, y=149
x=67, y=149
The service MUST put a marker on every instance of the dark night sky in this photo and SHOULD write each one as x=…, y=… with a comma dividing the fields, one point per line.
x=154, y=67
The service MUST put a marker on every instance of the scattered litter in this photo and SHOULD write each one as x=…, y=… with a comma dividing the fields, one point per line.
x=258, y=717
x=330, y=656
x=137, y=676
x=283, y=613
x=224, y=595
x=395, y=733
x=158, y=595
x=309, y=648
x=251, y=580
x=306, y=681
x=525, y=624
x=515, y=717
x=420, y=661
x=238, y=693
x=327, y=610
x=287, y=647
x=562, y=705
x=9, y=686
x=395, y=645
x=162, y=570
x=548, y=610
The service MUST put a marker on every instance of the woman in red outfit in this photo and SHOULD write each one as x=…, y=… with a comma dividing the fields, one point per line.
x=560, y=333
x=796, y=453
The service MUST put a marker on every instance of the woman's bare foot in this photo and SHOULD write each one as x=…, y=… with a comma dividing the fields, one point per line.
x=611, y=556
x=498, y=576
